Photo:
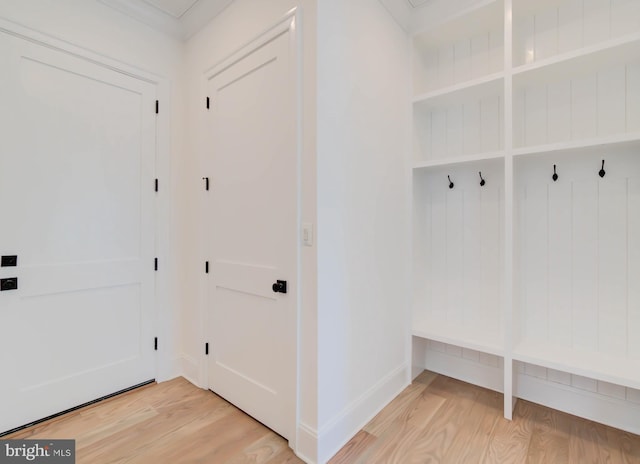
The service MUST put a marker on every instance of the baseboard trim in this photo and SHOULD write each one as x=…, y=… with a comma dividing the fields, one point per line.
x=307, y=443
x=190, y=370
x=339, y=430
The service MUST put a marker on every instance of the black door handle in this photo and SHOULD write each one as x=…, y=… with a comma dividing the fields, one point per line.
x=280, y=286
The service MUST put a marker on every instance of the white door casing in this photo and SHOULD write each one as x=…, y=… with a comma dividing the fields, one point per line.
x=77, y=162
x=251, y=228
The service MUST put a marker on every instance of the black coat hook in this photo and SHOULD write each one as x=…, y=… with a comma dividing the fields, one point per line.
x=482, y=182
x=602, y=171
x=555, y=175
x=450, y=183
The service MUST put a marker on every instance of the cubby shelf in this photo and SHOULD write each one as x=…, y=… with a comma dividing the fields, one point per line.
x=590, y=145
x=456, y=334
x=599, y=366
x=442, y=162
x=462, y=92
x=581, y=61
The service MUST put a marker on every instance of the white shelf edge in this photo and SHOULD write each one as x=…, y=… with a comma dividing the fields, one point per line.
x=463, y=342
x=526, y=352
x=478, y=82
x=459, y=160
x=579, y=53
x=577, y=144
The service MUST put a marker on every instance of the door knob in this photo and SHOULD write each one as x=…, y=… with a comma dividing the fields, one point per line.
x=280, y=286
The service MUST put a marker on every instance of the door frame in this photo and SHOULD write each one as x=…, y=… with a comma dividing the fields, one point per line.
x=289, y=23
x=164, y=367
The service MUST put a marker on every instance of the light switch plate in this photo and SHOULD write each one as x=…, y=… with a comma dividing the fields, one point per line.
x=307, y=234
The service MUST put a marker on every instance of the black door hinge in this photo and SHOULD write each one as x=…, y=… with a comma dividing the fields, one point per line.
x=207, y=102
x=206, y=267
x=157, y=106
x=206, y=349
x=155, y=343
x=155, y=264
x=156, y=184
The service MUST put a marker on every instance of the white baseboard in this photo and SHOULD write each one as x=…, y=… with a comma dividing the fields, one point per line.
x=607, y=410
x=307, y=443
x=190, y=370
x=338, y=431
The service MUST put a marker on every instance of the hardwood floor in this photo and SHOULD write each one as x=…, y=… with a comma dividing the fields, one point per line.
x=434, y=420
x=441, y=420
x=172, y=422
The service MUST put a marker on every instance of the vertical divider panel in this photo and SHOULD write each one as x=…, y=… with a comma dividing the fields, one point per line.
x=633, y=266
x=508, y=263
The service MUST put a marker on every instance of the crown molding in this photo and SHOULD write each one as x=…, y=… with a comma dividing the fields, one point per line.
x=181, y=28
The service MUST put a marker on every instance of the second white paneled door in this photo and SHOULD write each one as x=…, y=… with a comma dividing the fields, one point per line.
x=77, y=161
x=251, y=231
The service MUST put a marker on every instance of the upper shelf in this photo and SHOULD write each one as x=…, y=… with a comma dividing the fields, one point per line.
x=595, y=144
x=477, y=88
x=579, y=62
x=442, y=162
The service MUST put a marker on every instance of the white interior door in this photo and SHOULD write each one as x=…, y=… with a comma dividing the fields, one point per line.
x=77, y=159
x=252, y=234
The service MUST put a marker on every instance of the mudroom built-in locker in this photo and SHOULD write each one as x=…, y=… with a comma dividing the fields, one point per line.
x=526, y=123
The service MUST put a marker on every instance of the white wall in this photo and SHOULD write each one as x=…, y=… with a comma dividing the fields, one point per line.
x=106, y=32
x=238, y=24
x=363, y=216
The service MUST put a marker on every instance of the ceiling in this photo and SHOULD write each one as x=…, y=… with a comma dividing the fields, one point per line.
x=178, y=18
x=183, y=18
x=175, y=8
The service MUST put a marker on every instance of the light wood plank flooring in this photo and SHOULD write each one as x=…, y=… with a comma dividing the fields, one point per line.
x=436, y=419
x=169, y=423
x=441, y=420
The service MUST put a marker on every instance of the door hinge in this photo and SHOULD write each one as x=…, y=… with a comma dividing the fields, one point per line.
x=206, y=183
x=157, y=106
x=207, y=102
x=155, y=343
x=206, y=349
x=206, y=267
x=156, y=184
x=155, y=264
